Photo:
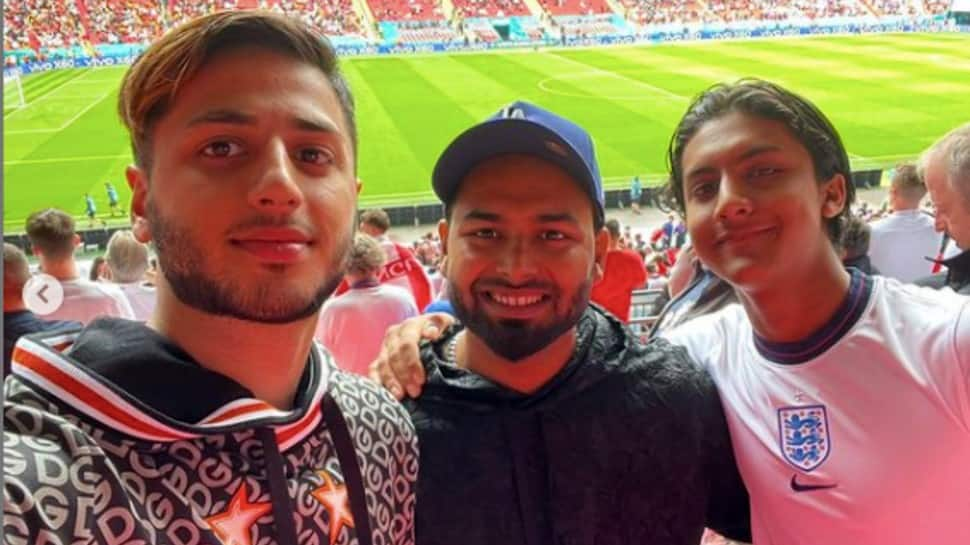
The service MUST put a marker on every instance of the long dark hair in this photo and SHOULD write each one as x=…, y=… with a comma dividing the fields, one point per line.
x=766, y=100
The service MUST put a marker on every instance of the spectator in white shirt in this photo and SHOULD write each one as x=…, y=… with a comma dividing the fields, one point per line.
x=401, y=267
x=352, y=325
x=901, y=243
x=52, y=236
x=127, y=261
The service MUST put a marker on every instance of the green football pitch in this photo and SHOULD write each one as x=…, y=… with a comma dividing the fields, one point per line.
x=889, y=95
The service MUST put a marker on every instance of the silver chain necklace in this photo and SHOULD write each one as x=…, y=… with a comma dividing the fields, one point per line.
x=451, y=351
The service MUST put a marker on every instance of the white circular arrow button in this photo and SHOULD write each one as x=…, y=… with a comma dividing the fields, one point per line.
x=43, y=294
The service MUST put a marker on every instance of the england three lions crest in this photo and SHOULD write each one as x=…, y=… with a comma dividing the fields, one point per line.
x=804, y=435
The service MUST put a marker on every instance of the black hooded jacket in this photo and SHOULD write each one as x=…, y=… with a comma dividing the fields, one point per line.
x=956, y=276
x=627, y=444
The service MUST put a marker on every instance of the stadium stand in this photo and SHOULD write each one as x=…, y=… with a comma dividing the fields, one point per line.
x=180, y=11
x=936, y=7
x=406, y=10
x=40, y=24
x=528, y=29
x=490, y=8
x=43, y=28
x=416, y=34
x=118, y=21
x=575, y=7
x=480, y=30
x=329, y=17
x=651, y=12
x=597, y=25
x=751, y=10
x=814, y=9
x=891, y=7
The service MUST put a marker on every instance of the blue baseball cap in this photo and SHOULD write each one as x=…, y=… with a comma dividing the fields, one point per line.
x=527, y=129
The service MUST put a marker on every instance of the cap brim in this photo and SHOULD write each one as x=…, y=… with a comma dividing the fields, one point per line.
x=502, y=137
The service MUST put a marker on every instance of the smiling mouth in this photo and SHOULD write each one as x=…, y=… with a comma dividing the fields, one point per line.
x=745, y=236
x=515, y=301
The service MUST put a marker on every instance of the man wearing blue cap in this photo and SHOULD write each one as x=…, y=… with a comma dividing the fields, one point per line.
x=543, y=420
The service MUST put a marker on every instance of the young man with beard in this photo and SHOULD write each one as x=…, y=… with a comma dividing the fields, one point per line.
x=543, y=420
x=849, y=404
x=219, y=421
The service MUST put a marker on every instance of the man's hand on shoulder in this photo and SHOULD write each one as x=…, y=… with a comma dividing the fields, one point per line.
x=398, y=367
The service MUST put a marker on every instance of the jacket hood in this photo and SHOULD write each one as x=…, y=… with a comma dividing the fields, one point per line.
x=152, y=369
x=133, y=379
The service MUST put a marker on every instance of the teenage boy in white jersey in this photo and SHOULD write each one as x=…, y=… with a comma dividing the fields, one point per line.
x=847, y=396
x=841, y=390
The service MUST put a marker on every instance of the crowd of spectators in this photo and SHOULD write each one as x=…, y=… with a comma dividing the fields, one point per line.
x=431, y=31
x=650, y=12
x=824, y=9
x=584, y=28
x=750, y=10
x=180, y=11
x=130, y=21
x=406, y=10
x=575, y=7
x=893, y=7
x=46, y=24
x=329, y=17
x=39, y=24
x=491, y=8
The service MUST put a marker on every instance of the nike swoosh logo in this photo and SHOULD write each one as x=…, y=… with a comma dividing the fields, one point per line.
x=798, y=487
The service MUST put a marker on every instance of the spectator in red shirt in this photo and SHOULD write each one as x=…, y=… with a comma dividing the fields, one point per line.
x=624, y=273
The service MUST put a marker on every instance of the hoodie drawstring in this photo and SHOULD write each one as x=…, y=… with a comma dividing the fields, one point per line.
x=278, y=490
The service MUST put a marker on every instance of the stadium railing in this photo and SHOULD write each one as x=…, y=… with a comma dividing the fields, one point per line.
x=645, y=307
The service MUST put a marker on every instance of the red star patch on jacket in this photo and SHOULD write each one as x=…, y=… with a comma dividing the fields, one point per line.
x=234, y=525
x=334, y=498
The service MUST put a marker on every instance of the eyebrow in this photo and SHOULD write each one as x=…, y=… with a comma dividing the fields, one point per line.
x=758, y=150
x=481, y=215
x=753, y=152
x=236, y=117
x=556, y=218
x=231, y=117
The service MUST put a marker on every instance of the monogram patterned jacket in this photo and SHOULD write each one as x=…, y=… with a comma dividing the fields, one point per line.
x=113, y=435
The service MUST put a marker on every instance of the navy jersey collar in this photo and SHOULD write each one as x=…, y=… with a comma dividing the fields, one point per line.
x=846, y=316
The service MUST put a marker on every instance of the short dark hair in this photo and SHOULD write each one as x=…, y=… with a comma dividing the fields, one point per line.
x=767, y=100
x=52, y=232
x=855, y=237
x=613, y=226
x=377, y=218
x=153, y=81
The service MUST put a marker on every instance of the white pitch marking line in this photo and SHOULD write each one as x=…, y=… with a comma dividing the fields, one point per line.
x=71, y=121
x=643, y=84
x=64, y=159
x=47, y=94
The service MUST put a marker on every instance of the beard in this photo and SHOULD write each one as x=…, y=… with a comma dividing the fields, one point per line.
x=273, y=301
x=513, y=339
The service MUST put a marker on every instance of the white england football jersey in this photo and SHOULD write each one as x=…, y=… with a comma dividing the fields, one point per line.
x=859, y=435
